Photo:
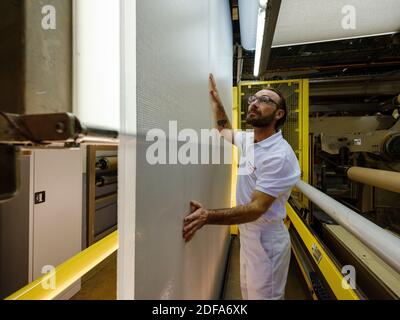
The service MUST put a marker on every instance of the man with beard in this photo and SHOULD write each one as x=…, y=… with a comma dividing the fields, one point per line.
x=271, y=172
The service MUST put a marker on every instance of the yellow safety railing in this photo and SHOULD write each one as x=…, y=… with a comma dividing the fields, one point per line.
x=68, y=272
x=235, y=123
x=327, y=266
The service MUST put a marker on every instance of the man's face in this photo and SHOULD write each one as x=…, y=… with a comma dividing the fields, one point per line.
x=262, y=111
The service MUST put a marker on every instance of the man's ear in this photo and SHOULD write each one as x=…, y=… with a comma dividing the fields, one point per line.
x=279, y=114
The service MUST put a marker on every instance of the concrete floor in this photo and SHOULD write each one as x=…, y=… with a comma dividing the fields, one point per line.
x=101, y=282
x=232, y=285
x=296, y=287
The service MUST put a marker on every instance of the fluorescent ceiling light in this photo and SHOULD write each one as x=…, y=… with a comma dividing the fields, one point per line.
x=248, y=11
x=260, y=35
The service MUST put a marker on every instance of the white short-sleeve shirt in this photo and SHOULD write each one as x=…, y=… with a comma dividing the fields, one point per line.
x=272, y=169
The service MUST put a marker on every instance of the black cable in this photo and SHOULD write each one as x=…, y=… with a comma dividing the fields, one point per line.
x=381, y=160
x=390, y=167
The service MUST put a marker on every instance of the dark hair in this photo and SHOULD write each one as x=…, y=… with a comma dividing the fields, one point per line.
x=281, y=105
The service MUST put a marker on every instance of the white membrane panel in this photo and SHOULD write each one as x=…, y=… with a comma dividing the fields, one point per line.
x=127, y=155
x=178, y=43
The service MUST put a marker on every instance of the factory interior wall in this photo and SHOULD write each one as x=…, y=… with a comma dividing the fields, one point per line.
x=177, y=44
x=47, y=64
x=35, y=58
x=11, y=57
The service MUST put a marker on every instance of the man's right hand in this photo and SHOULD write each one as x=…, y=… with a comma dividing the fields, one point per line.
x=215, y=100
x=194, y=221
x=221, y=119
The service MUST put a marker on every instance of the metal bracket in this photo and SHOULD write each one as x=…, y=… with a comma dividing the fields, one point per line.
x=47, y=128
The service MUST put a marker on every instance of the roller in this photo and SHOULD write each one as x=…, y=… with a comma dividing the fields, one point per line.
x=388, y=180
x=383, y=243
x=106, y=180
x=107, y=163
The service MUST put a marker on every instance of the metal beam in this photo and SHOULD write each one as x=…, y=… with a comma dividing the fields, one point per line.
x=271, y=18
x=345, y=107
x=48, y=128
x=360, y=86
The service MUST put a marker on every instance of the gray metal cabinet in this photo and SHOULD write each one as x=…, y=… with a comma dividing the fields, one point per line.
x=42, y=225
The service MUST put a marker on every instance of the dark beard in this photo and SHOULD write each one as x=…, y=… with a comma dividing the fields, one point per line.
x=261, y=122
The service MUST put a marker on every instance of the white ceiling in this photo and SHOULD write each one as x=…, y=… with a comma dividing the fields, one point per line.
x=304, y=21
x=308, y=21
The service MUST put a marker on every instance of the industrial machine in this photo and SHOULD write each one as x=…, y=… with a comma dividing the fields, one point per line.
x=359, y=167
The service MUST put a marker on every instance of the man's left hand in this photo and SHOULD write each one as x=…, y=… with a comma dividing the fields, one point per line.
x=194, y=221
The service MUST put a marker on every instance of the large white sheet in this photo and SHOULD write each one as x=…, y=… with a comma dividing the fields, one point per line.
x=177, y=44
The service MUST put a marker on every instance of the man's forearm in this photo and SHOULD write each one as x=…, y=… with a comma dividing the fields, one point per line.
x=221, y=119
x=237, y=215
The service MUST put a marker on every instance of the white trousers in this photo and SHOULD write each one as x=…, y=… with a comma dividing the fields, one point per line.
x=264, y=260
